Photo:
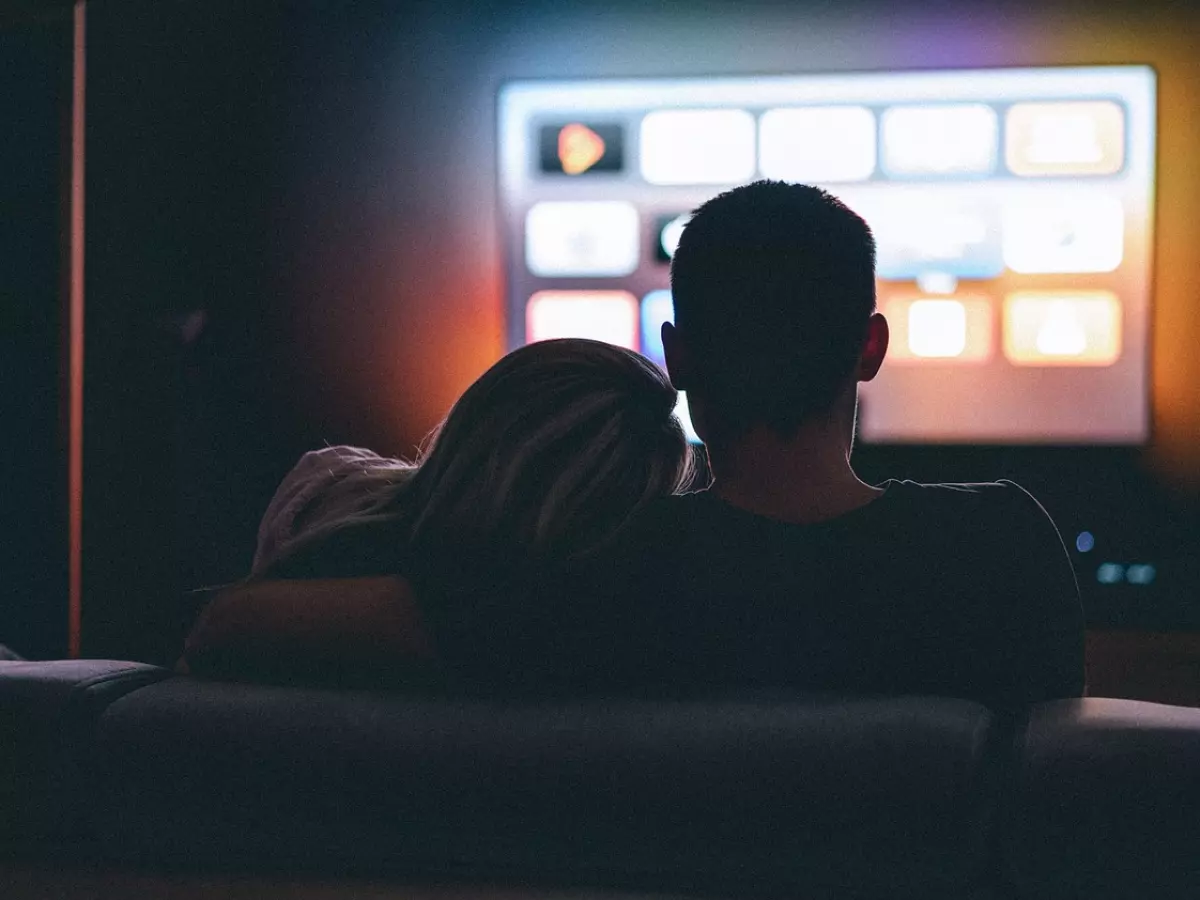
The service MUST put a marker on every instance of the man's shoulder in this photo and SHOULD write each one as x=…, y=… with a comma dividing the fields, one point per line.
x=989, y=520
x=957, y=490
x=703, y=509
x=1002, y=497
x=699, y=522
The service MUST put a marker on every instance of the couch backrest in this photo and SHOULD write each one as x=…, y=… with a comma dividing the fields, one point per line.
x=1106, y=801
x=827, y=796
x=847, y=794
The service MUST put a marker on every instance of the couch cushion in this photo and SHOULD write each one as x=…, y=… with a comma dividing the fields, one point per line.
x=1107, y=801
x=889, y=796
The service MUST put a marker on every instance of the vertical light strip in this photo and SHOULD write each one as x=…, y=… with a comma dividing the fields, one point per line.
x=75, y=340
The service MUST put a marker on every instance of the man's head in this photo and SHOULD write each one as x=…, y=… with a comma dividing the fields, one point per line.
x=774, y=293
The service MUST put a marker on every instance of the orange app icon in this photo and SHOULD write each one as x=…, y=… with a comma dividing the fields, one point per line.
x=1065, y=138
x=579, y=148
x=1062, y=328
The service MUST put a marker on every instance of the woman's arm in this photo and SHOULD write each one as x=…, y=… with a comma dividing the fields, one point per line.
x=277, y=627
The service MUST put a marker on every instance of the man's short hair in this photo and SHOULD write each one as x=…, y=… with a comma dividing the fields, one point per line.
x=773, y=285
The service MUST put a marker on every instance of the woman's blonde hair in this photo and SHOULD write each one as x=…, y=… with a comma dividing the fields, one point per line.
x=547, y=455
x=550, y=451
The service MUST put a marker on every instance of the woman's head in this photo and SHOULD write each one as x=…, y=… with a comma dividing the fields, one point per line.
x=550, y=451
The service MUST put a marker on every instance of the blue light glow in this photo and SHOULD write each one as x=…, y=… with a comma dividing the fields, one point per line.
x=1140, y=574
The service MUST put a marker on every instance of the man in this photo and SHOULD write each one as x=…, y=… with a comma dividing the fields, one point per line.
x=790, y=571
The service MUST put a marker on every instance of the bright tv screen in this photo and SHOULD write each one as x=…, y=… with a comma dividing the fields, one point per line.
x=1013, y=211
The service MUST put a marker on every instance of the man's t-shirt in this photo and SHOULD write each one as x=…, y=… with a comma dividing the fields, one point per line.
x=951, y=590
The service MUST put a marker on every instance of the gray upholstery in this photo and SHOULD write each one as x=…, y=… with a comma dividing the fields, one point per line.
x=837, y=793
x=1108, y=801
x=47, y=713
x=801, y=795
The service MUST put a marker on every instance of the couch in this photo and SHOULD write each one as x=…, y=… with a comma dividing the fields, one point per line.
x=115, y=771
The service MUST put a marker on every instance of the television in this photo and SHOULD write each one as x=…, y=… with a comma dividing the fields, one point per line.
x=1012, y=208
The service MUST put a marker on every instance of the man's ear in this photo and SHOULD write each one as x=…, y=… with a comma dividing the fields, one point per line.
x=678, y=364
x=875, y=347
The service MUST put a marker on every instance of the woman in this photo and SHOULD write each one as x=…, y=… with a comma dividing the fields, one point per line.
x=543, y=461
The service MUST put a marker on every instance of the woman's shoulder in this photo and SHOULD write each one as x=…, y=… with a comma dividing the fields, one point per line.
x=339, y=461
x=325, y=487
x=358, y=549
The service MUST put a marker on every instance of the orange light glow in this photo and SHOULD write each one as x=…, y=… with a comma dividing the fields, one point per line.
x=75, y=346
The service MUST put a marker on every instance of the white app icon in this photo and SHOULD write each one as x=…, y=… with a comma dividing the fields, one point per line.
x=597, y=238
x=819, y=143
x=1063, y=233
x=937, y=328
x=610, y=316
x=697, y=146
x=1065, y=137
x=918, y=236
x=950, y=139
x=668, y=239
x=1061, y=333
x=1063, y=328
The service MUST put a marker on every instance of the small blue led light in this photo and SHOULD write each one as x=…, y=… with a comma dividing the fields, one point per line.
x=1085, y=541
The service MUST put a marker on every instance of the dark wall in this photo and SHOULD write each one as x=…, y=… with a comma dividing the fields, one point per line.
x=181, y=434
x=35, y=62
x=292, y=239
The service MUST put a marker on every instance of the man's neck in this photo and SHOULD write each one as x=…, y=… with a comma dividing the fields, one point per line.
x=804, y=478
